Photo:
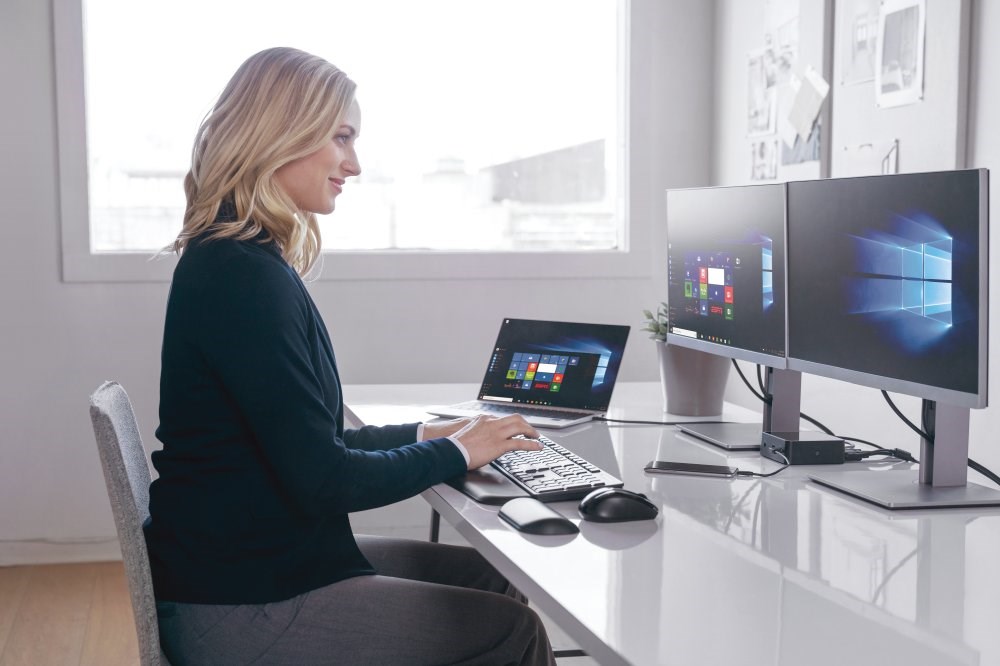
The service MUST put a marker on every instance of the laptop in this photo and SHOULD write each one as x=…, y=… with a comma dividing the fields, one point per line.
x=729, y=436
x=555, y=374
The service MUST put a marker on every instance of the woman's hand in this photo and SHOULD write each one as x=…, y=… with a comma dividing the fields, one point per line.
x=444, y=428
x=486, y=437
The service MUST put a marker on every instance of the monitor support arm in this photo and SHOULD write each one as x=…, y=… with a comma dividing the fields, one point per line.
x=944, y=459
x=785, y=389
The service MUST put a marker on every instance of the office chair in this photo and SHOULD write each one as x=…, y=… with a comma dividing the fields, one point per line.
x=127, y=478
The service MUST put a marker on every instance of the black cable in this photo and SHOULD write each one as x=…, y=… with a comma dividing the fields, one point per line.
x=857, y=456
x=760, y=381
x=923, y=435
x=759, y=475
x=739, y=371
x=861, y=441
x=984, y=471
x=818, y=424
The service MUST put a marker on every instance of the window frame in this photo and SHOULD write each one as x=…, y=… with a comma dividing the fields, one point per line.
x=633, y=260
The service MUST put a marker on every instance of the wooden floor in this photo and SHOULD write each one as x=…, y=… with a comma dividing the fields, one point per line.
x=58, y=614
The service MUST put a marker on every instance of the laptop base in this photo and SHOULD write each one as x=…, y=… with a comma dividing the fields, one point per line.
x=536, y=420
x=729, y=436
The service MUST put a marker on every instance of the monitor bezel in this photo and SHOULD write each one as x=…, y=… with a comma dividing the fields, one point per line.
x=729, y=351
x=976, y=400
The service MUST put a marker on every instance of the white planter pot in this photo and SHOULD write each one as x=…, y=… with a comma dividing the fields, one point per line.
x=693, y=382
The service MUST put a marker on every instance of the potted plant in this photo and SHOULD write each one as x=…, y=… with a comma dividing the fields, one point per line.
x=656, y=325
x=693, y=381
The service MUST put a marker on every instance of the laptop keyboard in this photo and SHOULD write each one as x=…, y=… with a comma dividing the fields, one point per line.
x=505, y=409
x=553, y=474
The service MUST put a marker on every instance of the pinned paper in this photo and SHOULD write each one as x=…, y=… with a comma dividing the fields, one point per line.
x=812, y=90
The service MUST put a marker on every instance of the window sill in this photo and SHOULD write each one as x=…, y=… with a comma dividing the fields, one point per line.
x=399, y=265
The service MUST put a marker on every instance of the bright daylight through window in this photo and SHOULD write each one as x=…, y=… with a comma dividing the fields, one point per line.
x=486, y=125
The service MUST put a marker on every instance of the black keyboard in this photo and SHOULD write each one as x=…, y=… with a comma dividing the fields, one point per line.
x=553, y=474
x=488, y=408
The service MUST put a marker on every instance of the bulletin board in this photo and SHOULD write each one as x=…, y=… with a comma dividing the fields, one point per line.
x=788, y=106
x=899, y=102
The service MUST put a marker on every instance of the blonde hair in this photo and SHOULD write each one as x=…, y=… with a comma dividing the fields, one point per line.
x=280, y=105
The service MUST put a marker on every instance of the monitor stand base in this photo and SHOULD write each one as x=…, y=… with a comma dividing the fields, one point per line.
x=901, y=489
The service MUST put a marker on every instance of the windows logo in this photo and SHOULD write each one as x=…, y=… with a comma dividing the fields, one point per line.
x=926, y=278
x=907, y=271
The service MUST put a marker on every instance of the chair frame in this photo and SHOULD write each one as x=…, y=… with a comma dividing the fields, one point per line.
x=126, y=475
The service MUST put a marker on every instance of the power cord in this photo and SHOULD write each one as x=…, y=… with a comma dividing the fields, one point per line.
x=762, y=396
x=759, y=475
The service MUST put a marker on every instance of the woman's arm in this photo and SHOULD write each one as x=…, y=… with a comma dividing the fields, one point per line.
x=257, y=333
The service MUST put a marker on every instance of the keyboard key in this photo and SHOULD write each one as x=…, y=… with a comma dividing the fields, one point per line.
x=554, y=473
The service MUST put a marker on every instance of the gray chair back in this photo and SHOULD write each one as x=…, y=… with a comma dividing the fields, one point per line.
x=127, y=478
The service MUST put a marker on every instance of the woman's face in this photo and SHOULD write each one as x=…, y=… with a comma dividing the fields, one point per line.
x=314, y=181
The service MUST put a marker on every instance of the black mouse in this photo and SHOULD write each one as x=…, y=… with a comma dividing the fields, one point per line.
x=616, y=505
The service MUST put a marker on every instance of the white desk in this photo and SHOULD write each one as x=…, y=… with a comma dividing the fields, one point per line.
x=776, y=571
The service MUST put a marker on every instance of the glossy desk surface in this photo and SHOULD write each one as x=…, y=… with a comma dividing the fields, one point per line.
x=776, y=571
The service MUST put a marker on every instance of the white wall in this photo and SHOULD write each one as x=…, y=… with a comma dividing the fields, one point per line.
x=848, y=409
x=58, y=341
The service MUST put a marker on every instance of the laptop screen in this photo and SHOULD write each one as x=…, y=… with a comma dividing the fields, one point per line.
x=556, y=364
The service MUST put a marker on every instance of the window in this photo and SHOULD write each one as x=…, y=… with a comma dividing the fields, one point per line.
x=493, y=133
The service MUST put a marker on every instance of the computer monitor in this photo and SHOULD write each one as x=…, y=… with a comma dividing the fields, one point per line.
x=726, y=287
x=888, y=288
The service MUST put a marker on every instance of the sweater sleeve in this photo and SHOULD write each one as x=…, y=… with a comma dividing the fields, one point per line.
x=380, y=438
x=256, y=328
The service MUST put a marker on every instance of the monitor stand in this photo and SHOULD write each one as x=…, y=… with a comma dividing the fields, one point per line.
x=940, y=482
x=781, y=415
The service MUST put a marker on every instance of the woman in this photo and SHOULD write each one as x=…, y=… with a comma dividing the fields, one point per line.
x=252, y=554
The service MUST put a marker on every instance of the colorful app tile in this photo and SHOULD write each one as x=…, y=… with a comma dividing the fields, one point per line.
x=563, y=360
x=531, y=358
x=703, y=275
x=532, y=367
x=554, y=388
x=529, y=375
x=526, y=384
x=517, y=356
x=520, y=374
x=544, y=376
x=561, y=369
x=546, y=367
x=542, y=386
x=728, y=310
x=688, y=289
x=729, y=294
x=557, y=378
x=703, y=291
x=703, y=308
x=511, y=374
x=574, y=360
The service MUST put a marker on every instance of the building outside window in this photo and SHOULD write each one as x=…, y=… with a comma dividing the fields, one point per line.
x=487, y=126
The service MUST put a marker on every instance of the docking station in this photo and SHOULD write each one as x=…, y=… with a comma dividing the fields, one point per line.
x=802, y=448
